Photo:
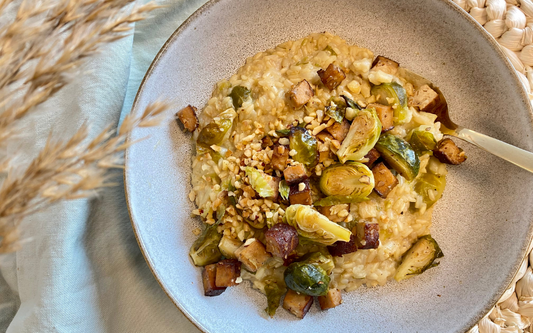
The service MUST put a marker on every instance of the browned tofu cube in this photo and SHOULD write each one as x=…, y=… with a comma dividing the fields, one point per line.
x=425, y=98
x=188, y=118
x=447, y=152
x=228, y=270
x=252, y=254
x=367, y=235
x=301, y=93
x=327, y=212
x=297, y=304
x=281, y=240
x=372, y=156
x=340, y=248
x=300, y=193
x=280, y=156
x=385, y=65
x=384, y=180
x=209, y=281
x=331, y=300
x=385, y=115
x=332, y=76
x=339, y=131
x=295, y=174
x=322, y=136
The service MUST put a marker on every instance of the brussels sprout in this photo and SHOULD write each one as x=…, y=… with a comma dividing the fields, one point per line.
x=215, y=132
x=338, y=199
x=284, y=189
x=350, y=103
x=311, y=224
x=430, y=187
x=399, y=154
x=420, y=257
x=422, y=142
x=363, y=134
x=308, y=279
x=336, y=109
x=349, y=179
x=393, y=94
x=238, y=95
x=204, y=250
x=324, y=260
x=305, y=145
x=259, y=182
x=273, y=292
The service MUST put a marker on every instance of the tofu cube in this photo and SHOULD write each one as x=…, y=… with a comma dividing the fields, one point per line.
x=188, y=118
x=252, y=254
x=448, y=152
x=273, y=182
x=385, y=115
x=367, y=235
x=297, y=304
x=322, y=136
x=385, y=65
x=324, y=155
x=280, y=156
x=228, y=246
x=384, y=180
x=228, y=270
x=295, y=174
x=372, y=156
x=425, y=99
x=331, y=299
x=300, y=193
x=301, y=93
x=340, y=248
x=332, y=76
x=339, y=131
x=209, y=281
x=281, y=240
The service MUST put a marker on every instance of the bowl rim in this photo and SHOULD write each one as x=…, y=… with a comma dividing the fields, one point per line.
x=208, y=5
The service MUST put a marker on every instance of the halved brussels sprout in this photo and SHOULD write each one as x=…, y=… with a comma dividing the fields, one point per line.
x=238, y=95
x=349, y=179
x=316, y=227
x=322, y=259
x=216, y=131
x=363, y=134
x=336, y=109
x=393, y=94
x=204, y=250
x=259, y=182
x=333, y=200
x=308, y=279
x=430, y=187
x=399, y=154
x=273, y=292
x=420, y=257
x=422, y=142
x=305, y=145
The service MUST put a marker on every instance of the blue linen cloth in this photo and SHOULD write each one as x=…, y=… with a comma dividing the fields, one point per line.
x=81, y=269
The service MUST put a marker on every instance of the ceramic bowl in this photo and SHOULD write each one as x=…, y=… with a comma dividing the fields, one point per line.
x=483, y=222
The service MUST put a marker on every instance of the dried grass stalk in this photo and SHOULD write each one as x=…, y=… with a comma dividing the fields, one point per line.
x=40, y=49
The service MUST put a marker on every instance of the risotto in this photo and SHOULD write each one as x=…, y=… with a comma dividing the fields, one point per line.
x=317, y=168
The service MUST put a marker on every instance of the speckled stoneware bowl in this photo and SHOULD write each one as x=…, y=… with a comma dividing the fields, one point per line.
x=483, y=222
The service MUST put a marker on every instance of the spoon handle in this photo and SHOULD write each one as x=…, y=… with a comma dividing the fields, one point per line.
x=515, y=155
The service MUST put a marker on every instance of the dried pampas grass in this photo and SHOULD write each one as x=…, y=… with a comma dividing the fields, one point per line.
x=40, y=49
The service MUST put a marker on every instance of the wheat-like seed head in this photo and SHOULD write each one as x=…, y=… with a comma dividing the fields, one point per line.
x=40, y=49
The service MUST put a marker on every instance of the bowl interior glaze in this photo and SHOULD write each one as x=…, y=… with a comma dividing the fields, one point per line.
x=482, y=223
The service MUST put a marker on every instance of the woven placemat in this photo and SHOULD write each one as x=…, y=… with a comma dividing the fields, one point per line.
x=510, y=22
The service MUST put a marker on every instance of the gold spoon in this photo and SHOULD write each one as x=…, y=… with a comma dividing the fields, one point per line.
x=515, y=155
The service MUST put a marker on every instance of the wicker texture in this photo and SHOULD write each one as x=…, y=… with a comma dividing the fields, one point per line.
x=511, y=24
